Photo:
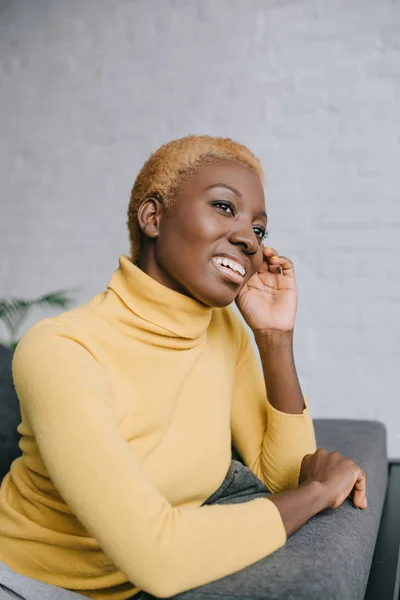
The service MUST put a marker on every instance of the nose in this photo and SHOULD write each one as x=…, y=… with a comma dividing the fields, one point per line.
x=243, y=235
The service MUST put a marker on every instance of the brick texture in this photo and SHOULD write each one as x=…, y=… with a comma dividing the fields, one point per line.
x=89, y=88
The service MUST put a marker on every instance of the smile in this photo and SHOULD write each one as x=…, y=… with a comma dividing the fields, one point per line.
x=230, y=269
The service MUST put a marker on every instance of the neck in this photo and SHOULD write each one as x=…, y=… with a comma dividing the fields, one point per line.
x=149, y=264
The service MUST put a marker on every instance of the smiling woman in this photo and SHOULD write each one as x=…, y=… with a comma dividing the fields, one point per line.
x=212, y=202
x=131, y=403
x=212, y=221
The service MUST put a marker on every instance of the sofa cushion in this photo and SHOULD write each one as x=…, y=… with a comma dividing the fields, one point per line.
x=9, y=414
x=330, y=556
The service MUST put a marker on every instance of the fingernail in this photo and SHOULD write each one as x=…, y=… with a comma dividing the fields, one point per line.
x=274, y=256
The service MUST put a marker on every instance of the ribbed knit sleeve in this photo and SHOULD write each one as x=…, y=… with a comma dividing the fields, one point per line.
x=66, y=397
x=271, y=443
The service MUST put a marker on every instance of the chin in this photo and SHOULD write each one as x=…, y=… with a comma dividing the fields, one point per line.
x=216, y=300
x=221, y=303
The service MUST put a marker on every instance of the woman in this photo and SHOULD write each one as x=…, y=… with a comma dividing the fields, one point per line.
x=130, y=402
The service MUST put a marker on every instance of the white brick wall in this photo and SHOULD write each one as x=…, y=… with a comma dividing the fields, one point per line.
x=89, y=88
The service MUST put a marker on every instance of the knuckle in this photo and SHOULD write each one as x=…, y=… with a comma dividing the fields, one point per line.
x=355, y=469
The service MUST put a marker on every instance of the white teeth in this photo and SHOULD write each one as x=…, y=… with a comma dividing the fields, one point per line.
x=227, y=262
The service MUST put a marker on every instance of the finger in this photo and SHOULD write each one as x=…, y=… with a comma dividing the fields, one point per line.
x=275, y=269
x=285, y=264
x=305, y=459
x=303, y=466
x=264, y=266
x=268, y=251
x=267, y=265
x=360, y=490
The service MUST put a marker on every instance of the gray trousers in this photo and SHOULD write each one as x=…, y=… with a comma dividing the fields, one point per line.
x=240, y=485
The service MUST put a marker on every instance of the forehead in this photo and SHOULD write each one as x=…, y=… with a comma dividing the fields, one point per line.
x=237, y=176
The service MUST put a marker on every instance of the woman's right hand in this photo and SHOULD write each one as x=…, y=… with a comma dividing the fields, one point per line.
x=326, y=480
x=339, y=477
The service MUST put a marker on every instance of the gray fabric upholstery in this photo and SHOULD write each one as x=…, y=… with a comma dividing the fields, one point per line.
x=9, y=413
x=19, y=587
x=330, y=557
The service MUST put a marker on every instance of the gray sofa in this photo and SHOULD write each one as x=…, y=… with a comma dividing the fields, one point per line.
x=330, y=557
x=9, y=413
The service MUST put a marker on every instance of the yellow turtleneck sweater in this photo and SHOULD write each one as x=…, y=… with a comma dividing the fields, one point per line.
x=128, y=405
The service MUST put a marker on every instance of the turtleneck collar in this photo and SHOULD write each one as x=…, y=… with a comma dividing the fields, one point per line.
x=172, y=313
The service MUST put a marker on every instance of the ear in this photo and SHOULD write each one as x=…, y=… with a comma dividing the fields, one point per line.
x=149, y=217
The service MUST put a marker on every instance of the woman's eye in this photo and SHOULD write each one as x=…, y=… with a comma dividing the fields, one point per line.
x=260, y=232
x=225, y=206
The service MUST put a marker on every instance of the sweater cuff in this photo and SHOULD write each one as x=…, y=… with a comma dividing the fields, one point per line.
x=289, y=437
x=289, y=431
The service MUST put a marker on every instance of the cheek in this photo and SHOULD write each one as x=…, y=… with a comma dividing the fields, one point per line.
x=258, y=260
x=196, y=231
x=180, y=241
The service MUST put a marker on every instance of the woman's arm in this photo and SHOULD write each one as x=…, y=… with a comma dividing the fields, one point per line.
x=66, y=396
x=280, y=376
x=272, y=442
x=268, y=303
x=280, y=446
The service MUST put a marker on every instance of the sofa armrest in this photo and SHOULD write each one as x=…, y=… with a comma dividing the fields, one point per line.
x=330, y=556
x=384, y=577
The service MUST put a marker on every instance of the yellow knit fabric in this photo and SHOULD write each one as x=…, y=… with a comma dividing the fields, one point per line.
x=128, y=404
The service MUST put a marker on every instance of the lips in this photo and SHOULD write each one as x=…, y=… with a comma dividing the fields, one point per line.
x=231, y=264
x=230, y=269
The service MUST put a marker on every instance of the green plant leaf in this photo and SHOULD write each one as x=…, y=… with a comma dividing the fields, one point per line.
x=14, y=310
x=59, y=299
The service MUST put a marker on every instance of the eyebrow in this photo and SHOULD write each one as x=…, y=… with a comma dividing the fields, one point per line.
x=262, y=213
x=228, y=187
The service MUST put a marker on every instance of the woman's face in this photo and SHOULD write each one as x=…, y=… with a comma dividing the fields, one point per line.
x=209, y=243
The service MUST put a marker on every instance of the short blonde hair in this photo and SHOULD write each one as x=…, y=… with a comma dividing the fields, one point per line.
x=165, y=171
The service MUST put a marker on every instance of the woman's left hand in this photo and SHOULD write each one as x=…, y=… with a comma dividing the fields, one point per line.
x=268, y=301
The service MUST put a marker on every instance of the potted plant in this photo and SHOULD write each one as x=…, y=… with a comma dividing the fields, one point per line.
x=13, y=311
